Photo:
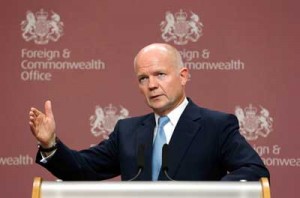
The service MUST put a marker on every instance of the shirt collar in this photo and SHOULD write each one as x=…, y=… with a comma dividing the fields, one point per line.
x=175, y=114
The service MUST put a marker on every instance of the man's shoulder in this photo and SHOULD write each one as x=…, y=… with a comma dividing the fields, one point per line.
x=137, y=119
x=209, y=113
x=213, y=112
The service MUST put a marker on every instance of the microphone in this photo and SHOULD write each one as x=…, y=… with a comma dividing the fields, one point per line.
x=164, y=165
x=140, y=161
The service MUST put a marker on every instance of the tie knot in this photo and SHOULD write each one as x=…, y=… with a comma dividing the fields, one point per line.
x=162, y=121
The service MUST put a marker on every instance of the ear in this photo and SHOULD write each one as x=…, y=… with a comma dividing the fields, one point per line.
x=184, y=75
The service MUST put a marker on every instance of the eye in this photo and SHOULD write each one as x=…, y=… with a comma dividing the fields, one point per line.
x=143, y=79
x=161, y=75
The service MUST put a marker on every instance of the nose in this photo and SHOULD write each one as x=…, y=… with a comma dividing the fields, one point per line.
x=152, y=83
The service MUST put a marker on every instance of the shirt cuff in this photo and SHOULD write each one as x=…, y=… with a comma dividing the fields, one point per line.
x=46, y=157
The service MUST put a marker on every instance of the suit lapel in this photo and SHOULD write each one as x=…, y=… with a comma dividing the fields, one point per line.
x=186, y=129
x=145, y=136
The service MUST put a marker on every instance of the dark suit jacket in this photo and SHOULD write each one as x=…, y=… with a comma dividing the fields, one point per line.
x=206, y=145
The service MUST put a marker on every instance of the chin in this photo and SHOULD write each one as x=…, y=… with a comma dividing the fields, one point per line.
x=156, y=108
x=159, y=109
x=158, y=105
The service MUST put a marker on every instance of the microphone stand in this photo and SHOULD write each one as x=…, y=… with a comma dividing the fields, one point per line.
x=165, y=161
x=140, y=161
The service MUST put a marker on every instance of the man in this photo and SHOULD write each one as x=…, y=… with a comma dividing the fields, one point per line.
x=203, y=144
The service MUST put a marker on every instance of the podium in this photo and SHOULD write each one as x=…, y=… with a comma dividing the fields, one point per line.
x=148, y=189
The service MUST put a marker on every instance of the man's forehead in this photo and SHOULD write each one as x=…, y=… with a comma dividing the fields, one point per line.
x=155, y=65
x=150, y=68
x=145, y=62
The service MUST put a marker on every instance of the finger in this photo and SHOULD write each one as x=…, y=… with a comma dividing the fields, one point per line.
x=33, y=120
x=31, y=117
x=31, y=124
x=31, y=114
x=48, y=109
x=36, y=112
x=32, y=128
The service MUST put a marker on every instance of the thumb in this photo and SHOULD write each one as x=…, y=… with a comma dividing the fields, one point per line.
x=48, y=109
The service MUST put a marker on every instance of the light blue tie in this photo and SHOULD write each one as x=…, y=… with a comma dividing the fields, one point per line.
x=159, y=141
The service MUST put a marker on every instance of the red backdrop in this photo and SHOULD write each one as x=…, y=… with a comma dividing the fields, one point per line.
x=79, y=54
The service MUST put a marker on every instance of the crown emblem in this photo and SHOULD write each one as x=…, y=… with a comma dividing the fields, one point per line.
x=181, y=27
x=181, y=16
x=110, y=110
x=250, y=111
x=105, y=119
x=40, y=29
x=41, y=15
x=254, y=123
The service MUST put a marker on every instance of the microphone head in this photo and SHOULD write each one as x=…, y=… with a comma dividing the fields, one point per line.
x=164, y=165
x=141, y=156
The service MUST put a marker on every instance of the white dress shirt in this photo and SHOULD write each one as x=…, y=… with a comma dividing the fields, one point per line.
x=174, y=116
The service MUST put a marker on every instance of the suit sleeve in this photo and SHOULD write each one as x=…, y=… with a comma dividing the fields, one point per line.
x=237, y=155
x=96, y=163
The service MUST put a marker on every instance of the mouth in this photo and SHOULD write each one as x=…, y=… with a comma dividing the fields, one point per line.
x=154, y=97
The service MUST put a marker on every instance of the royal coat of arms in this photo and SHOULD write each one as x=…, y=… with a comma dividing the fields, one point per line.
x=254, y=124
x=40, y=29
x=105, y=119
x=179, y=29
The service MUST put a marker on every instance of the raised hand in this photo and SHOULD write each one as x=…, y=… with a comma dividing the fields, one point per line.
x=42, y=125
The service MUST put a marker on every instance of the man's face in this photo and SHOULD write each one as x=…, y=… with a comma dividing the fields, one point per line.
x=160, y=80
